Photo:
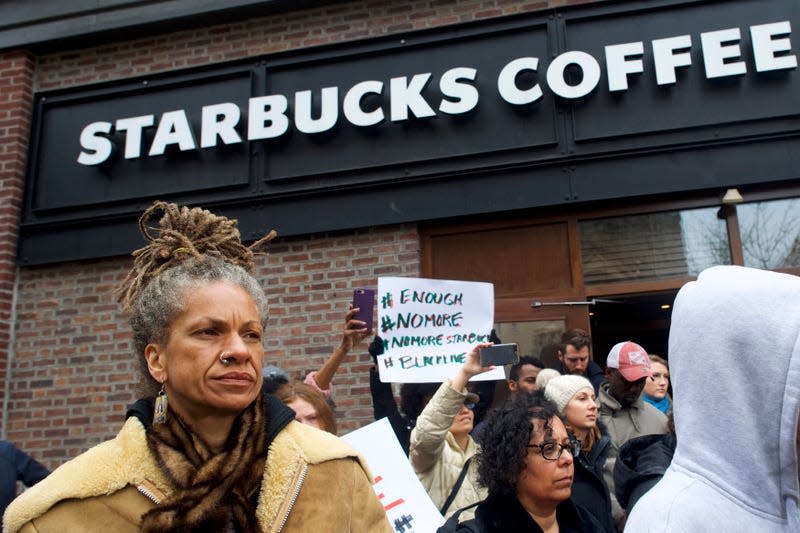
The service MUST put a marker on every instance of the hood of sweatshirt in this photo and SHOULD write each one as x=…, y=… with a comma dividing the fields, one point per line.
x=734, y=355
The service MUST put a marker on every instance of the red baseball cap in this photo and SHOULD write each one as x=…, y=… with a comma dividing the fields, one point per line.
x=630, y=359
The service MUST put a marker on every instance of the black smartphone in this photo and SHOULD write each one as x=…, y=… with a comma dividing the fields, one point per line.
x=499, y=354
x=364, y=299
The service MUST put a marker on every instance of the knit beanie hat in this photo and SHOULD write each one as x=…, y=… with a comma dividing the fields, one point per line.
x=560, y=390
x=544, y=377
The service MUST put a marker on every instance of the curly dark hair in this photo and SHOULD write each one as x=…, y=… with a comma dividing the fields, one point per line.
x=505, y=438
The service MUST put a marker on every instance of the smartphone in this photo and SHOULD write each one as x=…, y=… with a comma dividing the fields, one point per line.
x=499, y=354
x=364, y=299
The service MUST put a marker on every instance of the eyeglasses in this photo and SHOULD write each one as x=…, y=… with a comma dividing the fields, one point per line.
x=552, y=451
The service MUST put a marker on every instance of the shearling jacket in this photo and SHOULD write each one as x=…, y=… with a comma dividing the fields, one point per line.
x=438, y=459
x=312, y=482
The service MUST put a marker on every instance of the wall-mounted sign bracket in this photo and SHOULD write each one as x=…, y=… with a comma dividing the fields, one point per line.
x=593, y=301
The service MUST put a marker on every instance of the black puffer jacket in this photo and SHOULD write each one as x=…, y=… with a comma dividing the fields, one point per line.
x=589, y=490
x=640, y=465
x=504, y=514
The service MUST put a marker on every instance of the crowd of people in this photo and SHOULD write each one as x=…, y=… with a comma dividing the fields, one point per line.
x=219, y=443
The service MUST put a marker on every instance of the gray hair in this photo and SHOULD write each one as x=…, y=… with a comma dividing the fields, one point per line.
x=162, y=299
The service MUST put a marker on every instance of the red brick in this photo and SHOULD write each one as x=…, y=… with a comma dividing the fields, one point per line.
x=73, y=341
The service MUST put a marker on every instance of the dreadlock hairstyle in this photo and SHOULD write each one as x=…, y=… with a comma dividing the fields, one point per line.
x=184, y=232
x=190, y=246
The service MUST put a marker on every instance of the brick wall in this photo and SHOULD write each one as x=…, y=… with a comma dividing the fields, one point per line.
x=310, y=282
x=72, y=373
x=73, y=370
x=313, y=27
x=16, y=92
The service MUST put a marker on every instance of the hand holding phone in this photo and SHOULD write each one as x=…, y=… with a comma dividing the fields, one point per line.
x=499, y=354
x=364, y=299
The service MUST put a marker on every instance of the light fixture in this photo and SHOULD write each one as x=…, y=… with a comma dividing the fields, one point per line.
x=665, y=306
x=732, y=197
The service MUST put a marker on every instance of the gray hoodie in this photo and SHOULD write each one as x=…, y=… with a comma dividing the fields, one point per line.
x=734, y=354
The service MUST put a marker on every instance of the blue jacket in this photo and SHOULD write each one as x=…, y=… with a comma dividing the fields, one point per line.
x=16, y=465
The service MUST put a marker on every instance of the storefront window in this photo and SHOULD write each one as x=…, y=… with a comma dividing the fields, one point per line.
x=770, y=233
x=652, y=246
x=536, y=337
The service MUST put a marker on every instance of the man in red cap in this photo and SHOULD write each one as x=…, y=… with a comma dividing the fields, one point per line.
x=622, y=409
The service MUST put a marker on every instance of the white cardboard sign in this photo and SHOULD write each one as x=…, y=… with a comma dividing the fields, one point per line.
x=407, y=504
x=428, y=326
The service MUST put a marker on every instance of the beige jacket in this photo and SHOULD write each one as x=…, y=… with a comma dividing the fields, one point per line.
x=312, y=482
x=436, y=457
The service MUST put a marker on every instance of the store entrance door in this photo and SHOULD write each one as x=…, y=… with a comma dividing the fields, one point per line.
x=641, y=318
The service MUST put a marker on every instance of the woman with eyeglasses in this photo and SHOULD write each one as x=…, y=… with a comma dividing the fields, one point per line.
x=526, y=463
x=441, y=448
x=574, y=398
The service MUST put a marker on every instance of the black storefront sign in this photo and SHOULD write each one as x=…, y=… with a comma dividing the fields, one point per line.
x=607, y=101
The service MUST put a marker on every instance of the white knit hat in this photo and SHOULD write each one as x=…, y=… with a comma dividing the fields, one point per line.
x=544, y=377
x=560, y=390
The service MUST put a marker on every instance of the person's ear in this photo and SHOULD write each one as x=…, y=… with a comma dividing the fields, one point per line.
x=560, y=356
x=512, y=385
x=607, y=372
x=156, y=362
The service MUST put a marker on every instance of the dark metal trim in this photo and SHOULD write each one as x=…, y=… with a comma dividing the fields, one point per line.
x=580, y=172
x=49, y=25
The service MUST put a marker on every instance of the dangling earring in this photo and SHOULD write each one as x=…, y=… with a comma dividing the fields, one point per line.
x=160, y=408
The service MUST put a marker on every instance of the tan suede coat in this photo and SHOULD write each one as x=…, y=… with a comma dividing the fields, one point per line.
x=312, y=482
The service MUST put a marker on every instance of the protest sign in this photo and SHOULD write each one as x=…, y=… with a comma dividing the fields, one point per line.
x=428, y=326
x=407, y=504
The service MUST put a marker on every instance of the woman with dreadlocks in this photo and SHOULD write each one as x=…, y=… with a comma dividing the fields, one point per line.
x=214, y=454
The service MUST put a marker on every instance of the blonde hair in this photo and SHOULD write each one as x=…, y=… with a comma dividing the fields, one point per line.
x=294, y=390
x=658, y=359
x=592, y=437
